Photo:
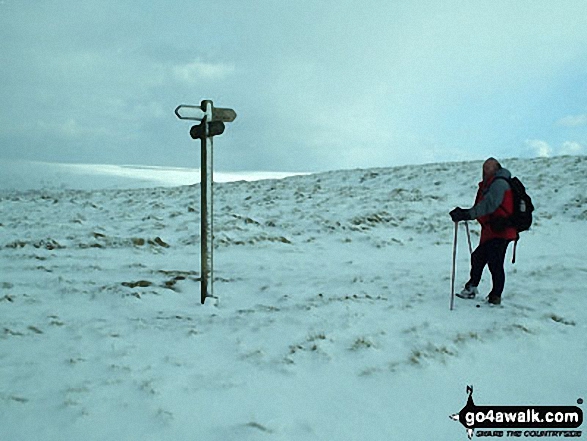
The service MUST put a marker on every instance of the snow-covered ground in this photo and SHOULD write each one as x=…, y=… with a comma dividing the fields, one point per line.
x=32, y=175
x=332, y=320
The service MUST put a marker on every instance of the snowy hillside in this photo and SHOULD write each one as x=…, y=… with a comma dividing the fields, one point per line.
x=31, y=175
x=332, y=320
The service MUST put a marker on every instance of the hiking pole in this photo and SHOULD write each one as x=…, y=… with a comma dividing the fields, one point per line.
x=454, y=263
x=469, y=237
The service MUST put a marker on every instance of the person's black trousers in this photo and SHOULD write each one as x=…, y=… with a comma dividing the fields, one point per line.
x=492, y=254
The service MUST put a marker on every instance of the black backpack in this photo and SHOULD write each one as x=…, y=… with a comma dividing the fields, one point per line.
x=521, y=219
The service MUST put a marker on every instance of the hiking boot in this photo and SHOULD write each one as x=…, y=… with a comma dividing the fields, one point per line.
x=493, y=300
x=468, y=292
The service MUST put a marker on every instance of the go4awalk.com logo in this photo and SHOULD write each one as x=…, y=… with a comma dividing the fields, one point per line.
x=519, y=421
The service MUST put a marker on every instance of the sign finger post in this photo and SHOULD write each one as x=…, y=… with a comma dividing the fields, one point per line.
x=212, y=124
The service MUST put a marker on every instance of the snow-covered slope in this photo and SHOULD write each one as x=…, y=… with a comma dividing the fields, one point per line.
x=332, y=320
x=33, y=175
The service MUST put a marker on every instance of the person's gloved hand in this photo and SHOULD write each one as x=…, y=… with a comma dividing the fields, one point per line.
x=460, y=214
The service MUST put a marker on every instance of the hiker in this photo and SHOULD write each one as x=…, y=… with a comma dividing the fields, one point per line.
x=493, y=205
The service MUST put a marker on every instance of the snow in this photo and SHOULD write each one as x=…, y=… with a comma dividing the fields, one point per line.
x=332, y=320
x=31, y=175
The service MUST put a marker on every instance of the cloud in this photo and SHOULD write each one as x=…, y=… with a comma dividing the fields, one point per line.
x=540, y=148
x=102, y=79
x=70, y=129
x=537, y=147
x=572, y=148
x=573, y=121
x=199, y=70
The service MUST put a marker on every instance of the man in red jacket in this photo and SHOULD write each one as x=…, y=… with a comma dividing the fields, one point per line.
x=493, y=205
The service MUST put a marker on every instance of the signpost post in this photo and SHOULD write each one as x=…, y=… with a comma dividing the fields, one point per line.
x=212, y=124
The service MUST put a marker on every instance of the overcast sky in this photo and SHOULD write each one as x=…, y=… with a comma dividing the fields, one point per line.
x=317, y=85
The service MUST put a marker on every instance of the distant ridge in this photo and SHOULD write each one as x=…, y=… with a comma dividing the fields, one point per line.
x=33, y=175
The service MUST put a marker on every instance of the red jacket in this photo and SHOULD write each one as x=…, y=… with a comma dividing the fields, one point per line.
x=488, y=198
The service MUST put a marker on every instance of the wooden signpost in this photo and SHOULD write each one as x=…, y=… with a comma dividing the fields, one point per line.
x=212, y=124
